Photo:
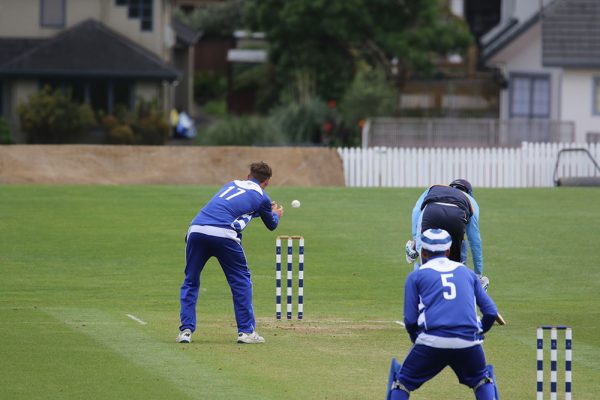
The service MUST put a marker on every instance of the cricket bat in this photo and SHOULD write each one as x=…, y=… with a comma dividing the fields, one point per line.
x=500, y=320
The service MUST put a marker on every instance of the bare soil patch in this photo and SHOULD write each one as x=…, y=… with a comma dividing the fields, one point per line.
x=102, y=164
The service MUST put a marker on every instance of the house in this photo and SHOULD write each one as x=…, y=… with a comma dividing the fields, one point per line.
x=549, y=54
x=107, y=52
x=459, y=89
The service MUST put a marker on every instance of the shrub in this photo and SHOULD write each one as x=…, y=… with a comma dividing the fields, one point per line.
x=303, y=123
x=145, y=125
x=121, y=134
x=370, y=95
x=150, y=125
x=215, y=108
x=52, y=117
x=209, y=85
x=242, y=131
x=5, y=135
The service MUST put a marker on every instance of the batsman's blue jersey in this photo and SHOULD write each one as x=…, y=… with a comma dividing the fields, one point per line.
x=234, y=206
x=440, y=305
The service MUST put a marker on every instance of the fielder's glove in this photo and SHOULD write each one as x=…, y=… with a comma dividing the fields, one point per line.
x=411, y=253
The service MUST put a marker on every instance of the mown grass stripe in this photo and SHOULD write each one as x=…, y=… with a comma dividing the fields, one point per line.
x=166, y=360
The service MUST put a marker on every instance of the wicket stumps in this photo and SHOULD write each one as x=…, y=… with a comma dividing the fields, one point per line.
x=553, y=360
x=290, y=251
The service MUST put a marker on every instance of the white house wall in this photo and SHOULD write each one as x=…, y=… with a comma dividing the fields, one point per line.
x=147, y=90
x=524, y=55
x=577, y=88
x=524, y=9
x=13, y=23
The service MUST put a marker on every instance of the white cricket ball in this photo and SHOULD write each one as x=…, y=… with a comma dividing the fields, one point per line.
x=295, y=203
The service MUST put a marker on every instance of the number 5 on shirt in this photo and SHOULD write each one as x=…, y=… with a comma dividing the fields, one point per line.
x=450, y=285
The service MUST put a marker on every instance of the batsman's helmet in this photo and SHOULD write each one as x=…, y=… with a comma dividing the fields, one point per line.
x=462, y=184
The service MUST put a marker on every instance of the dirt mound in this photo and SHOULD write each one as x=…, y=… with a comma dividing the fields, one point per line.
x=91, y=164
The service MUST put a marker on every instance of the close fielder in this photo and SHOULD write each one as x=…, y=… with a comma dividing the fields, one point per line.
x=217, y=232
x=440, y=314
x=453, y=209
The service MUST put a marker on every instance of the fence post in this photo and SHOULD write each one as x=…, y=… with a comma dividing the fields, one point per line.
x=365, y=133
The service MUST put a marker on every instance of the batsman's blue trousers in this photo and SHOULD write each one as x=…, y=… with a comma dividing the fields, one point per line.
x=423, y=363
x=230, y=254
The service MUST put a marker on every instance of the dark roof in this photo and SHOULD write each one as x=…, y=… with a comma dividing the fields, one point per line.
x=185, y=34
x=12, y=47
x=87, y=49
x=571, y=34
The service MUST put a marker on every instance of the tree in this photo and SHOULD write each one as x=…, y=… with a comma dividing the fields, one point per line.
x=315, y=44
x=215, y=19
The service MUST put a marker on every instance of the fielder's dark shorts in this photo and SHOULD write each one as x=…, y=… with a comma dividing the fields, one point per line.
x=452, y=219
x=423, y=363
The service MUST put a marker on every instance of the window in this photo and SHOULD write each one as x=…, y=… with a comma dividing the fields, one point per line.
x=529, y=96
x=52, y=13
x=596, y=96
x=133, y=11
x=146, y=14
x=122, y=95
x=101, y=94
x=140, y=9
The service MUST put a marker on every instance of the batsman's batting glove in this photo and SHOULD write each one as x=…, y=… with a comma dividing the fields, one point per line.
x=411, y=253
x=485, y=282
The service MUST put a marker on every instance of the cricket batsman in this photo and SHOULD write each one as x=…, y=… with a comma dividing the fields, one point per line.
x=454, y=209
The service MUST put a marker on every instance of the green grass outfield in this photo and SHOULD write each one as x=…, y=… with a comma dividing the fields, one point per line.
x=75, y=260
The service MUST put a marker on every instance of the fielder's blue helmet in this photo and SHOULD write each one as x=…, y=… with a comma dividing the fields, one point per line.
x=436, y=240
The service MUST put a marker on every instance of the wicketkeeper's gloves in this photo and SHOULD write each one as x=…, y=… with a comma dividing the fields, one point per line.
x=411, y=253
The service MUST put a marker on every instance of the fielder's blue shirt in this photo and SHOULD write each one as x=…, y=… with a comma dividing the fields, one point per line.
x=440, y=305
x=234, y=206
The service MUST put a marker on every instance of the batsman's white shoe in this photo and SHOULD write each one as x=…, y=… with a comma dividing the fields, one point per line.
x=250, y=338
x=485, y=282
x=185, y=336
x=411, y=253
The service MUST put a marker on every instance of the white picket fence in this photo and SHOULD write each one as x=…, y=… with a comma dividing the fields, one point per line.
x=531, y=165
